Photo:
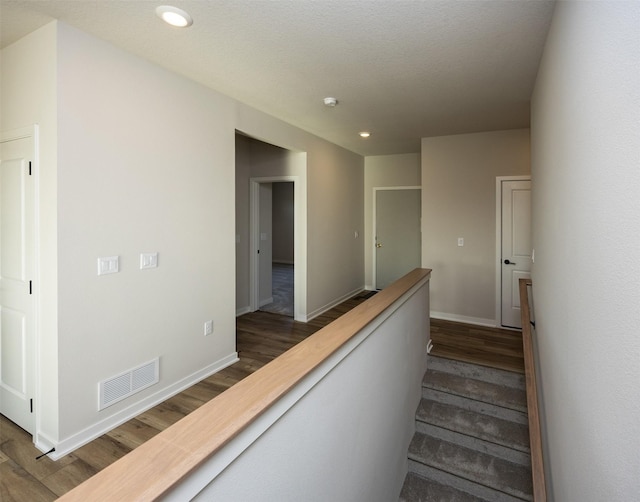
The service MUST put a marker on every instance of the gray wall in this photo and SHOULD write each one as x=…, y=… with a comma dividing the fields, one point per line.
x=586, y=218
x=459, y=200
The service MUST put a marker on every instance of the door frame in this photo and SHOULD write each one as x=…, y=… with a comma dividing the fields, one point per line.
x=33, y=132
x=374, y=260
x=498, y=261
x=299, y=246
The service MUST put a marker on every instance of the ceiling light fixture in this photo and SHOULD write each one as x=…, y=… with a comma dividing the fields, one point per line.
x=365, y=134
x=174, y=16
x=331, y=102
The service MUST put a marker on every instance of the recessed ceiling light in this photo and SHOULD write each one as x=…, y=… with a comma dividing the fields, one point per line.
x=330, y=101
x=174, y=16
x=365, y=134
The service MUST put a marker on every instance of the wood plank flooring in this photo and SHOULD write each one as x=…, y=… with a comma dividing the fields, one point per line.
x=494, y=347
x=261, y=337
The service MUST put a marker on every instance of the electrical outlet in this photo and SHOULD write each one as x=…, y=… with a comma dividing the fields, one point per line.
x=460, y=241
x=208, y=328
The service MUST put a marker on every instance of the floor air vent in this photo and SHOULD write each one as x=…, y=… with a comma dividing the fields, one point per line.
x=124, y=385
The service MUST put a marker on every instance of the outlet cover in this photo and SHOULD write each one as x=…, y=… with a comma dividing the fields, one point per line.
x=208, y=328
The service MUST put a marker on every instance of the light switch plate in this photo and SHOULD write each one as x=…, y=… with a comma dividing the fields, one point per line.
x=148, y=260
x=460, y=241
x=108, y=265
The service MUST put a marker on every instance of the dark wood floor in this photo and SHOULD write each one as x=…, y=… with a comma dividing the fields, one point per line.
x=498, y=348
x=261, y=337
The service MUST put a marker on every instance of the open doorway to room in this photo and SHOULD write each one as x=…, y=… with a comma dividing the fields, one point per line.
x=276, y=247
x=272, y=238
x=270, y=229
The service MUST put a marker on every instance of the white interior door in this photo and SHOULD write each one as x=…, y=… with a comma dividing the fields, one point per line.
x=515, y=260
x=398, y=242
x=17, y=333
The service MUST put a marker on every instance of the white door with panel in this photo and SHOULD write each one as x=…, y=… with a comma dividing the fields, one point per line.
x=398, y=241
x=17, y=259
x=515, y=259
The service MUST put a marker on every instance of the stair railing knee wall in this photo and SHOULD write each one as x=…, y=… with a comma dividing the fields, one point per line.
x=211, y=438
x=535, y=437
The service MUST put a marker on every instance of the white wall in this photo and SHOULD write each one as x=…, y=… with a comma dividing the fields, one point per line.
x=243, y=173
x=384, y=171
x=458, y=200
x=139, y=171
x=586, y=214
x=128, y=168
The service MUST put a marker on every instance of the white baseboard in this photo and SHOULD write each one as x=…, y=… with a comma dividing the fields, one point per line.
x=337, y=301
x=479, y=321
x=266, y=301
x=243, y=311
x=83, y=437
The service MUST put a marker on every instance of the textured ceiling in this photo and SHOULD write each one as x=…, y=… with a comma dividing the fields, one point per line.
x=400, y=69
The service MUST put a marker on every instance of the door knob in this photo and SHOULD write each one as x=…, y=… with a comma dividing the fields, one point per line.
x=378, y=245
x=507, y=262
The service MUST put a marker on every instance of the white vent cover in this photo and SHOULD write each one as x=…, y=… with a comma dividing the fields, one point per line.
x=124, y=385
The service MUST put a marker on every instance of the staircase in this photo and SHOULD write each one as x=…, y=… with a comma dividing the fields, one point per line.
x=472, y=440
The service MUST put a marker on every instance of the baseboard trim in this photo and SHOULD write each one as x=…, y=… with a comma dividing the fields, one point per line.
x=243, y=311
x=266, y=301
x=479, y=321
x=284, y=262
x=83, y=437
x=329, y=306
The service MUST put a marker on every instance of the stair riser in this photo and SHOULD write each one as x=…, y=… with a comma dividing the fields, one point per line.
x=448, y=479
x=481, y=468
x=506, y=397
x=475, y=372
x=465, y=403
x=475, y=444
x=476, y=425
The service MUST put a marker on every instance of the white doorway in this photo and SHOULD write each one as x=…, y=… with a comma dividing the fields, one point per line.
x=397, y=233
x=17, y=276
x=513, y=246
x=260, y=239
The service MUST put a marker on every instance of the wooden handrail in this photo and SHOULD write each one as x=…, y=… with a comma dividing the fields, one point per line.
x=535, y=438
x=159, y=464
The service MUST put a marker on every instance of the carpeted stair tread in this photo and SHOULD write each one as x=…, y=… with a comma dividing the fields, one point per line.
x=477, y=372
x=507, y=397
x=478, y=425
x=418, y=489
x=487, y=470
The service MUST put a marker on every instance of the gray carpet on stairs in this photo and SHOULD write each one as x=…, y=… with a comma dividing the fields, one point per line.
x=471, y=441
